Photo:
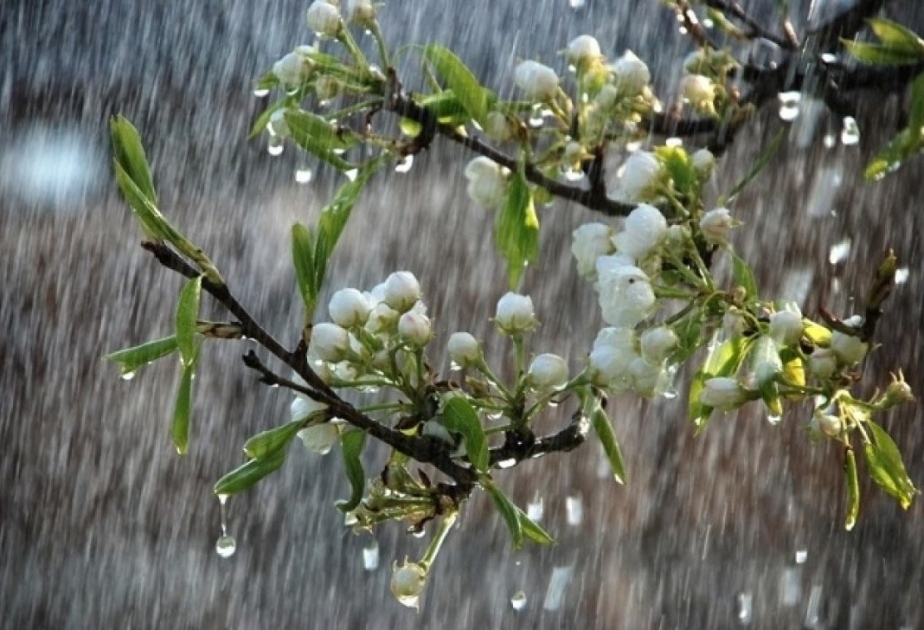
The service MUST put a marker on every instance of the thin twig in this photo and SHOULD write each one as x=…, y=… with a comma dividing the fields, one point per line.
x=756, y=31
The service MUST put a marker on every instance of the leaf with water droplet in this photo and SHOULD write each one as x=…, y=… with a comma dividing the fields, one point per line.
x=266, y=443
x=317, y=136
x=459, y=79
x=187, y=312
x=886, y=466
x=182, y=410
x=607, y=436
x=517, y=229
x=853, y=489
x=460, y=417
x=351, y=445
x=133, y=358
x=249, y=473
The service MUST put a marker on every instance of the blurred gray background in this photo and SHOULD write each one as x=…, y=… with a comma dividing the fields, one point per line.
x=101, y=525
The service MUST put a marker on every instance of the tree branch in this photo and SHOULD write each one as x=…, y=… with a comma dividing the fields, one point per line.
x=756, y=31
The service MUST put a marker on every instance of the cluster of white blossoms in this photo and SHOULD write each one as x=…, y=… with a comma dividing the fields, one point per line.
x=487, y=182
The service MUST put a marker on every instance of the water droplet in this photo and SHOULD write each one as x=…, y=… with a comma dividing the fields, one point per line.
x=535, y=116
x=839, y=251
x=495, y=416
x=790, y=586
x=828, y=58
x=419, y=533
x=573, y=174
x=812, y=609
x=411, y=601
x=574, y=509
x=454, y=367
x=507, y=463
x=801, y=556
x=552, y=404
x=773, y=419
x=352, y=174
x=901, y=275
x=850, y=132
x=371, y=556
x=535, y=509
x=789, y=105
x=127, y=376
x=405, y=165
x=829, y=141
x=745, y=608
x=554, y=595
x=338, y=151
x=261, y=92
x=576, y=4
x=226, y=546
x=518, y=601
x=275, y=145
x=670, y=394
x=674, y=142
x=708, y=23
x=303, y=175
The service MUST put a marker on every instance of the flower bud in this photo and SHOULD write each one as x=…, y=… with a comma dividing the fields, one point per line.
x=538, y=82
x=326, y=87
x=329, y=342
x=630, y=73
x=699, y=90
x=896, y=393
x=487, y=182
x=324, y=19
x=829, y=422
x=822, y=363
x=716, y=224
x=607, y=97
x=767, y=364
x=645, y=227
x=348, y=308
x=589, y=242
x=382, y=319
x=548, y=370
x=361, y=13
x=320, y=438
x=302, y=407
x=786, y=327
x=401, y=291
x=464, y=349
x=849, y=350
x=498, y=128
x=613, y=351
x=407, y=583
x=641, y=173
x=291, y=70
x=703, y=163
x=722, y=393
x=515, y=313
x=625, y=296
x=415, y=329
x=657, y=343
x=583, y=50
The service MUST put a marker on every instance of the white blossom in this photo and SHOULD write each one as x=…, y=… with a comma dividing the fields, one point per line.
x=786, y=327
x=647, y=379
x=699, y=90
x=302, y=407
x=291, y=70
x=361, y=13
x=822, y=363
x=515, y=313
x=548, y=370
x=716, y=224
x=407, y=583
x=657, y=343
x=613, y=351
x=583, y=50
x=464, y=349
x=320, y=438
x=402, y=290
x=329, y=342
x=849, y=349
x=497, y=127
x=348, y=308
x=487, y=182
x=626, y=296
x=588, y=243
x=722, y=393
x=538, y=82
x=324, y=19
x=415, y=329
x=703, y=163
x=630, y=73
x=639, y=177
x=645, y=228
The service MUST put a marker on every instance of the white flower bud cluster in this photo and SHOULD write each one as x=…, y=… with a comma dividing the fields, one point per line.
x=639, y=178
x=487, y=182
x=620, y=360
x=537, y=81
x=324, y=19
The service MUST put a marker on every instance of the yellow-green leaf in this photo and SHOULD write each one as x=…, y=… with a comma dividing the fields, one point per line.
x=604, y=430
x=886, y=466
x=133, y=358
x=853, y=489
x=459, y=79
x=129, y=155
x=187, y=312
x=517, y=229
x=182, y=410
x=317, y=136
x=266, y=443
x=249, y=473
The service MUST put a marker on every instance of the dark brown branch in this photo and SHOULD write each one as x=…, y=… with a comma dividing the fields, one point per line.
x=518, y=447
x=755, y=30
x=826, y=37
x=693, y=25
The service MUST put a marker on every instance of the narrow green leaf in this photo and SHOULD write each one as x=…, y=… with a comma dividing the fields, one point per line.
x=532, y=529
x=303, y=261
x=507, y=510
x=887, y=468
x=151, y=220
x=182, y=410
x=317, y=136
x=604, y=431
x=907, y=143
x=351, y=444
x=853, y=489
x=133, y=358
x=517, y=229
x=881, y=54
x=460, y=417
x=128, y=153
x=758, y=166
x=459, y=79
x=187, y=312
x=897, y=36
x=266, y=443
x=916, y=109
x=743, y=276
x=249, y=473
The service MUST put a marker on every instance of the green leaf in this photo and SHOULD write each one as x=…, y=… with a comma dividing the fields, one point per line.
x=460, y=417
x=446, y=106
x=459, y=79
x=317, y=136
x=152, y=222
x=532, y=529
x=853, y=489
x=507, y=510
x=758, y=166
x=897, y=36
x=246, y=475
x=743, y=276
x=517, y=230
x=133, y=358
x=907, y=143
x=887, y=468
x=723, y=360
x=129, y=156
x=680, y=168
x=266, y=443
x=187, y=312
x=182, y=410
x=607, y=436
x=881, y=54
x=351, y=444
x=303, y=260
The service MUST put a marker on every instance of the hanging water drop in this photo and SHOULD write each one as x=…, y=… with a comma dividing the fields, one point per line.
x=745, y=608
x=352, y=174
x=226, y=546
x=518, y=601
x=850, y=132
x=303, y=175
x=405, y=165
x=371, y=556
x=275, y=145
x=574, y=509
x=773, y=419
x=535, y=509
x=789, y=105
x=535, y=116
x=801, y=556
x=261, y=92
x=507, y=463
x=127, y=376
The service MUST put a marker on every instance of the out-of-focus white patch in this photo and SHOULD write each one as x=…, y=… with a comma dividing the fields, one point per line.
x=55, y=167
x=839, y=251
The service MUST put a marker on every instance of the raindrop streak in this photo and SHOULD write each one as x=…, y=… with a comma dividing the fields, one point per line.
x=772, y=419
x=745, y=608
x=275, y=145
x=839, y=252
x=561, y=576
x=303, y=175
x=574, y=507
x=225, y=546
x=801, y=556
x=789, y=105
x=535, y=509
x=507, y=463
x=127, y=376
x=850, y=132
x=812, y=609
x=371, y=556
x=518, y=601
x=790, y=586
x=901, y=275
x=405, y=165
x=261, y=92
